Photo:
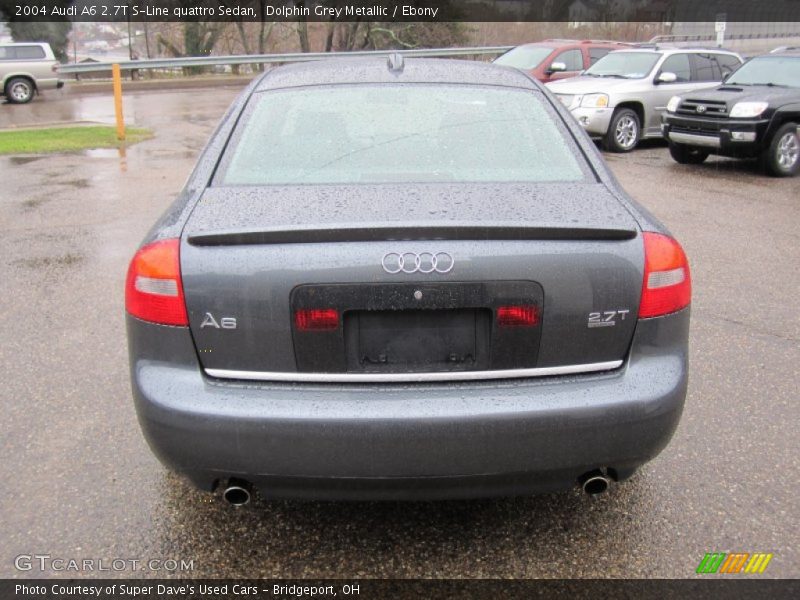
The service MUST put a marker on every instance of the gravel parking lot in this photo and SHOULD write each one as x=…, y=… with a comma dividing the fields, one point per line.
x=81, y=482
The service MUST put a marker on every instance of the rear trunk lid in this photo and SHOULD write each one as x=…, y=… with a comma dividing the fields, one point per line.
x=253, y=258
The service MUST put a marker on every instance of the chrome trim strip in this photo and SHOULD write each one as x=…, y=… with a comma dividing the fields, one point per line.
x=697, y=140
x=411, y=377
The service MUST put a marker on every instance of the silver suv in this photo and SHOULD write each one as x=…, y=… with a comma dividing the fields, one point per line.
x=26, y=69
x=620, y=99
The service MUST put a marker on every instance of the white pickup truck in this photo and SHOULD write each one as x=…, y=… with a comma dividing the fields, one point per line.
x=26, y=69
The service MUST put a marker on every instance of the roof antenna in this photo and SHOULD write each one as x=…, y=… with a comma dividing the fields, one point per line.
x=395, y=62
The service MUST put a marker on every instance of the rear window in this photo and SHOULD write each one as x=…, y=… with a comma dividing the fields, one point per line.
x=395, y=134
x=21, y=52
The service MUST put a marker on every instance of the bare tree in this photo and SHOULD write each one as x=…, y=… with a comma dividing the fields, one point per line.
x=302, y=28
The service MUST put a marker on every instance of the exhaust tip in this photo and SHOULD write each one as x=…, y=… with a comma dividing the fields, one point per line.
x=238, y=492
x=594, y=482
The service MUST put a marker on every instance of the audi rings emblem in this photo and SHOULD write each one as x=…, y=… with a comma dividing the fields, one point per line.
x=411, y=262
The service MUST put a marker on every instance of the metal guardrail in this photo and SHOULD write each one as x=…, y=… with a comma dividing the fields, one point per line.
x=248, y=59
x=746, y=44
x=702, y=37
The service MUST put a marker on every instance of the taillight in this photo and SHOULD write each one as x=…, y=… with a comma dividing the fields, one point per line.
x=667, y=285
x=317, y=319
x=517, y=316
x=55, y=67
x=153, y=290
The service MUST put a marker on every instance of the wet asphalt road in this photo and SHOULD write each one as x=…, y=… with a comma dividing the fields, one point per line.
x=80, y=481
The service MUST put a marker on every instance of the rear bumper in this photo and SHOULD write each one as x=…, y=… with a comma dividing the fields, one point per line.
x=49, y=83
x=408, y=441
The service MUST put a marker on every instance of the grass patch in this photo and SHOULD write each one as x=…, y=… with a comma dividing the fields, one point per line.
x=66, y=139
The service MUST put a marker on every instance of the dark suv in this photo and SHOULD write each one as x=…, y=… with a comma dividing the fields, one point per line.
x=551, y=60
x=755, y=113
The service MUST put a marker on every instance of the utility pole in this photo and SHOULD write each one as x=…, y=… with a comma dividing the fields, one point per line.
x=130, y=39
x=75, y=51
x=147, y=38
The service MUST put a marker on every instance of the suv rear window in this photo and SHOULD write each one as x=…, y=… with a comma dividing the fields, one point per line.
x=21, y=52
x=396, y=134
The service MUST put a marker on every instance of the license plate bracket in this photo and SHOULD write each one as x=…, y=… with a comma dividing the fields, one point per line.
x=417, y=340
x=416, y=305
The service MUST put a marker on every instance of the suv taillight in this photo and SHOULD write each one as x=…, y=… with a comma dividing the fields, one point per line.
x=153, y=290
x=667, y=285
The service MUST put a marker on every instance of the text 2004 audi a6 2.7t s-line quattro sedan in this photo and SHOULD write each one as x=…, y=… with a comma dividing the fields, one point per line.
x=405, y=279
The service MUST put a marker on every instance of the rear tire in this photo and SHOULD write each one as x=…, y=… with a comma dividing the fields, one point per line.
x=19, y=90
x=624, y=131
x=687, y=155
x=782, y=157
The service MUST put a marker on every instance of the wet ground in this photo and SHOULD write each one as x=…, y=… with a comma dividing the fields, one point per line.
x=80, y=481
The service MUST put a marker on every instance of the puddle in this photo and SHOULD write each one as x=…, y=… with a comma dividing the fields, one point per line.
x=66, y=260
x=104, y=153
x=160, y=155
x=120, y=153
x=77, y=183
x=201, y=120
x=32, y=203
x=23, y=160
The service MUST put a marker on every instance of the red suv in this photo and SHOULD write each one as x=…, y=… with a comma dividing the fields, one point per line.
x=557, y=59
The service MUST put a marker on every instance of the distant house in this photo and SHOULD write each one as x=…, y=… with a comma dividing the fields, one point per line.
x=93, y=74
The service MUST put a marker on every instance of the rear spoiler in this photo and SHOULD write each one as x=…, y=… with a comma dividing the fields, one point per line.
x=406, y=233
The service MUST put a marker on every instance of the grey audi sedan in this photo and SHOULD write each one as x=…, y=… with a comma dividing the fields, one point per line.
x=405, y=279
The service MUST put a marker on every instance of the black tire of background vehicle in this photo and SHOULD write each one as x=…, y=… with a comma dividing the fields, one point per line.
x=687, y=155
x=624, y=131
x=19, y=90
x=782, y=157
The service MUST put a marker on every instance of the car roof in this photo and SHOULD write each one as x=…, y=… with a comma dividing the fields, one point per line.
x=545, y=44
x=377, y=70
x=25, y=44
x=675, y=50
x=559, y=43
x=791, y=51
